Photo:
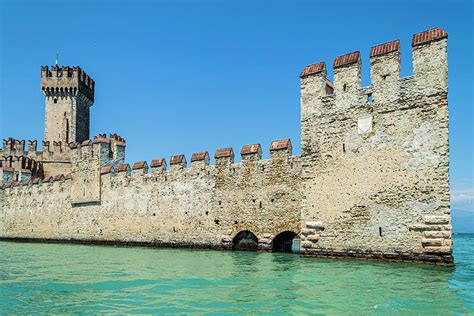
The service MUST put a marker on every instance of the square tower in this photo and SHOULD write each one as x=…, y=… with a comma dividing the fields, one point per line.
x=69, y=94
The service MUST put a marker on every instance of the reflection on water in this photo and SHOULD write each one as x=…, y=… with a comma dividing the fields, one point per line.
x=92, y=279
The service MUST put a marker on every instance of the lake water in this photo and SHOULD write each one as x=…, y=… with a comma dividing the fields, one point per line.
x=61, y=278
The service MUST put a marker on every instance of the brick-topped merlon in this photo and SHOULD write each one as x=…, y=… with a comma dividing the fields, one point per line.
x=67, y=80
x=282, y=144
x=430, y=61
x=313, y=69
x=386, y=48
x=224, y=152
x=428, y=36
x=156, y=163
x=122, y=168
x=347, y=59
x=251, y=152
x=385, y=70
x=101, y=138
x=178, y=160
x=200, y=159
x=105, y=169
x=280, y=148
x=200, y=156
x=117, y=140
x=140, y=165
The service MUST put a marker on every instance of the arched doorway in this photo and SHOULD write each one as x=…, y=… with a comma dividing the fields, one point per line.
x=282, y=242
x=245, y=240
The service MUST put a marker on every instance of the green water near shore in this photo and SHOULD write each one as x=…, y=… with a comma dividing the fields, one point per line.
x=60, y=278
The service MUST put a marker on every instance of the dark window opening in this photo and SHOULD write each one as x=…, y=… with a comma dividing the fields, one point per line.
x=260, y=204
x=385, y=78
x=273, y=200
x=380, y=231
x=369, y=98
x=220, y=203
x=344, y=87
x=207, y=213
x=216, y=221
x=55, y=100
x=154, y=214
x=343, y=147
x=67, y=131
x=235, y=222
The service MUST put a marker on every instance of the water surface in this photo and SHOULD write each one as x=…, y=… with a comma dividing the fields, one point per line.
x=61, y=278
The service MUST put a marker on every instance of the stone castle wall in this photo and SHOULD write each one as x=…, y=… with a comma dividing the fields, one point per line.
x=372, y=179
x=202, y=206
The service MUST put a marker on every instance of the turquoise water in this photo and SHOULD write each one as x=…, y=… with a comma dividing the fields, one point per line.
x=60, y=278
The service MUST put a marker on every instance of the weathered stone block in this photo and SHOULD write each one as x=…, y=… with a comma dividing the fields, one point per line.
x=314, y=224
x=436, y=220
x=431, y=242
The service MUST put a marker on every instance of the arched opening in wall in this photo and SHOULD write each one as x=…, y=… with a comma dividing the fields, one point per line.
x=283, y=241
x=246, y=241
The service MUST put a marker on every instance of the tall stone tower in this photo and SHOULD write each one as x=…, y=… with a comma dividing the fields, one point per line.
x=69, y=94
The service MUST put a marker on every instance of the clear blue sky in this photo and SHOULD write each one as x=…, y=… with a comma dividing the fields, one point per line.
x=184, y=76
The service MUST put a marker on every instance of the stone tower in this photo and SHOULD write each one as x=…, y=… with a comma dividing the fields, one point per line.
x=69, y=94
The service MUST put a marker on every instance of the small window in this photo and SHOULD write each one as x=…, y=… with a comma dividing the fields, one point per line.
x=55, y=100
x=380, y=231
x=385, y=78
x=369, y=98
x=343, y=147
x=344, y=87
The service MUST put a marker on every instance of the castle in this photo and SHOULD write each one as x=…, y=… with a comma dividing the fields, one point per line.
x=372, y=180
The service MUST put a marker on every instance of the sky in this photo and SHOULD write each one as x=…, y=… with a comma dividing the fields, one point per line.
x=177, y=77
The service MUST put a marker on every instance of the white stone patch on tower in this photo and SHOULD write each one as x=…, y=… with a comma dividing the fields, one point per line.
x=364, y=124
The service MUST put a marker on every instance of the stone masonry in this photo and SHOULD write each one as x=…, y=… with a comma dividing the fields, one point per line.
x=372, y=180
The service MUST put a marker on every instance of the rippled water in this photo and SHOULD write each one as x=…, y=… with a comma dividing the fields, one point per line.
x=59, y=278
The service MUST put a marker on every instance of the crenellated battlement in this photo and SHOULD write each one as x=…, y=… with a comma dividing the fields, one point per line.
x=280, y=151
x=429, y=57
x=110, y=151
x=66, y=81
x=55, y=156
